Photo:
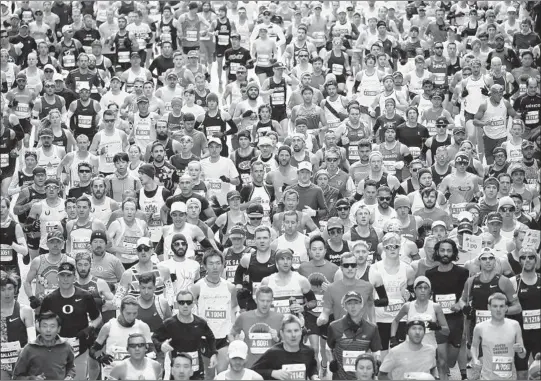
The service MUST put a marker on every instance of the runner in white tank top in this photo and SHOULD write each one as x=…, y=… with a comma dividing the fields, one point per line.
x=297, y=244
x=50, y=219
x=127, y=238
x=153, y=206
x=428, y=315
x=103, y=211
x=282, y=293
x=10, y=74
x=215, y=304
x=495, y=120
x=112, y=145
x=369, y=89
x=50, y=162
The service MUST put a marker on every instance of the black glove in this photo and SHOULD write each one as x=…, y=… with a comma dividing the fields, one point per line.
x=468, y=311
x=14, y=103
x=26, y=259
x=34, y=302
x=105, y=359
x=86, y=333
x=333, y=366
x=506, y=96
x=393, y=342
x=225, y=179
x=36, y=225
x=465, y=93
x=381, y=302
x=484, y=91
x=433, y=326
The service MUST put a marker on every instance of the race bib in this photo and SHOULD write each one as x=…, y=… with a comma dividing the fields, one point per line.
x=296, y=371
x=348, y=359
x=531, y=319
x=119, y=353
x=123, y=57
x=532, y=117
x=481, y=316
x=82, y=84
x=130, y=243
x=195, y=361
x=215, y=185
x=22, y=110
x=319, y=303
x=223, y=40
x=439, y=78
x=143, y=133
x=80, y=244
x=502, y=366
x=319, y=37
x=446, y=302
x=69, y=60
x=263, y=59
x=84, y=121
x=233, y=67
x=10, y=352
x=337, y=69
x=215, y=314
x=370, y=93
x=456, y=209
x=191, y=35
x=4, y=160
x=353, y=153
x=393, y=307
x=212, y=130
x=5, y=253
x=389, y=167
x=431, y=126
x=415, y=152
x=74, y=342
x=260, y=342
x=281, y=306
x=278, y=98
x=246, y=178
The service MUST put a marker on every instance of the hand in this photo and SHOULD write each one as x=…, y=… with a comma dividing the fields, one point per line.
x=296, y=308
x=256, y=200
x=311, y=212
x=166, y=346
x=518, y=348
x=13, y=154
x=393, y=342
x=322, y=320
x=399, y=165
x=433, y=326
x=40, y=377
x=280, y=374
x=14, y=103
x=86, y=333
x=225, y=179
x=484, y=91
x=465, y=93
x=34, y=302
x=103, y=150
x=20, y=45
x=475, y=363
x=213, y=361
x=345, y=140
x=333, y=366
x=219, y=134
x=274, y=334
x=467, y=310
x=372, y=114
x=455, y=307
x=105, y=359
x=325, y=286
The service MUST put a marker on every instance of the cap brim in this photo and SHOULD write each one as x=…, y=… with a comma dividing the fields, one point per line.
x=255, y=214
x=352, y=298
x=66, y=272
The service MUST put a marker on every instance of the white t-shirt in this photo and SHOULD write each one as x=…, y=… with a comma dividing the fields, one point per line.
x=212, y=172
x=248, y=375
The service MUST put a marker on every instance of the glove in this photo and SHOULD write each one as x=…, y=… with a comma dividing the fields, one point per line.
x=506, y=96
x=225, y=179
x=86, y=333
x=484, y=91
x=36, y=225
x=393, y=342
x=381, y=303
x=433, y=326
x=26, y=259
x=465, y=93
x=105, y=359
x=333, y=366
x=468, y=311
x=34, y=302
x=14, y=103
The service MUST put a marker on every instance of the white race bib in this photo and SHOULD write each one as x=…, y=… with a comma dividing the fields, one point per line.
x=481, y=316
x=296, y=371
x=260, y=342
x=502, y=366
x=10, y=352
x=531, y=319
x=348, y=360
x=446, y=302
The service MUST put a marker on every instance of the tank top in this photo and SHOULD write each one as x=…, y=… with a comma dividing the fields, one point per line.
x=47, y=275
x=333, y=256
x=300, y=254
x=73, y=169
x=142, y=126
x=436, y=177
x=337, y=64
x=214, y=305
x=427, y=316
x=7, y=144
x=528, y=296
x=46, y=106
x=23, y=111
x=410, y=231
x=33, y=195
x=153, y=205
x=103, y=211
x=122, y=45
x=62, y=140
x=416, y=83
x=372, y=241
x=283, y=294
x=91, y=286
x=393, y=283
x=474, y=98
x=50, y=219
x=453, y=68
x=69, y=55
x=244, y=31
x=84, y=119
x=134, y=283
x=514, y=151
x=332, y=120
x=32, y=81
x=201, y=100
x=147, y=373
x=80, y=238
x=383, y=97
x=13, y=339
x=190, y=31
x=213, y=125
x=369, y=89
x=479, y=295
x=354, y=136
x=495, y=120
x=243, y=165
x=498, y=355
x=223, y=33
x=51, y=162
x=175, y=123
x=128, y=239
x=439, y=70
x=132, y=76
x=24, y=179
x=257, y=270
x=8, y=256
x=390, y=157
x=168, y=33
x=279, y=96
x=232, y=261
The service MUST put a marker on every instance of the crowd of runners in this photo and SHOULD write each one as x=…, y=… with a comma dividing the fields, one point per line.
x=248, y=190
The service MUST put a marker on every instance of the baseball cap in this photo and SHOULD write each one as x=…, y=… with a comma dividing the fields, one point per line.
x=487, y=251
x=178, y=237
x=526, y=144
x=142, y=98
x=494, y=217
x=438, y=223
x=462, y=157
x=352, y=295
x=304, y=165
x=464, y=226
x=506, y=201
x=178, y=207
x=341, y=202
x=233, y=194
x=67, y=28
x=66, y=268
x=237, y=231
x=442, y=121
x=421, y=279
x=193, y=54
x=214, y=140
x=264, y=141
x=98, y=234
x=334, y=223
x=255, y=210
x=21, y=75
x=23, y=24
x=238, y=348
x=458, y=130
x=283, y=253
x=135, y=55
x=278, y=65
x=315, y=4
x=55, y=234
x=144, y=241
x=58, y=77
x=412, y=323
x=49, y=66
x=234, y=35
x=401, y=201
x=516, y=167
x=172, y=74
x=46, y=132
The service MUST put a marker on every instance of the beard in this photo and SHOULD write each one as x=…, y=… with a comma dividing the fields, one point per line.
x=83, y=274
x=251, y=97
x=180, y=252
x=429, y=205
x=162, y=136
x=445, y=260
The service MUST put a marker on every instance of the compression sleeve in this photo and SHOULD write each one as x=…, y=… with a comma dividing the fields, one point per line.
x=382, y=300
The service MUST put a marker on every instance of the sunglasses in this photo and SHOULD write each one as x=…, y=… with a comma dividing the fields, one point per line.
x=49, y=86
x=439, y=126
x=438, y=47
x=137, y=345
x=461, y=163
x=180, y=243
x=391, y=247
x=331, y=159
x=335, y=231
x=384, y=198
x=84, y=170
x=415, y=169
x=349, y=265
x=48, y=71
x=485, y=259
x=109, y=120
x=185, y=302
x=342, y=208
x=524, y=257
x=52, y=187
x=507, y=209
x=303, y=56
x=143, y=248
x=255, y=218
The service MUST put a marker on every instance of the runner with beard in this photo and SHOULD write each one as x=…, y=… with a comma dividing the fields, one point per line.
x=424, y=178
x=171, y=146
x=184, y=271
x=253, y=267
x=102, y=206
x=500, y=165
x=396, y=156
x=49, y=155
x=283, y=176
x=29, y=196
x=252, y=104
x=530, y=164
x=448, y=281
x=107, y=142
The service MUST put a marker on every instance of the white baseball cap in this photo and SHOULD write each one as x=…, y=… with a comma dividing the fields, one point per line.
x=304, y=165
x=238, y=348
x=178, y=207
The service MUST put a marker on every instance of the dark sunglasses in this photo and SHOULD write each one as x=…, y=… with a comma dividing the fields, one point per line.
x=109, y=120
x=484, y=259
x=438, y=47
x=391, y=247
x=384, y=198
x=84, y=171
x=185, y=302
x=461, y=162
x=349, y=265
x=342, y=208
x=335, y=231
x=524, y=257
x=255, y=218
x=143, y=248
x=303, y=56
x=137, y=345
x=507, y=209
x=331, y=159
x=48, y=71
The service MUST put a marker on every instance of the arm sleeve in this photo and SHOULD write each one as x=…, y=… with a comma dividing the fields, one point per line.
x=92, y=308
x=382, y=300
x=239, y=274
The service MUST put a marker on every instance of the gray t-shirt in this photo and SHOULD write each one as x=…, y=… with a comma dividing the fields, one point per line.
x=317, y=275
x=332, y=298
x=401, y=360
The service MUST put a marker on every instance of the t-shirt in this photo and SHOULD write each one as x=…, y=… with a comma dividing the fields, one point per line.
x=302, y=364
x=401, y=360
x=248, y=375
x=333, y=297
x=108, y=267
x=180, y=197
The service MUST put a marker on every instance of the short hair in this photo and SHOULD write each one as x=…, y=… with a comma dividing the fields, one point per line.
x=365, y=143
x=291, y=191
x=317, y=59
x=72, y=200
x=360, y=243
x=291, y=213
x=136, y=336
x=497, y=296
x=149, y=277
x=97, y=178
x=262, y=228
x=212, y=253
x=184, y=292
x=121, y=156
x=127, y=301
x=49, y=315
x=346, y=255
x=129, y=199
x=288, y=319
x=504, y=175
x=518, y=231
x=317, y=238
x=428, y=190
x=454, y=247
x=370, y=183
x=109, y=113
x=384, y=188
x=307, y=88
x=264, y=290
x=85, y=198
x=9, y=277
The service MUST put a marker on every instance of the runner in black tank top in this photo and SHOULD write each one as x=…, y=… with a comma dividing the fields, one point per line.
x=372, y=241
x=88, y=111
x=436, y=177
x=42, y=65
x=334, y=256
x=24, y=179
x=243, y=164
x=175, y=123
x=46, y=107
x=62, y=140
x=10, y=259
x=515, y=265
x=201, y=100
x=16, y=331
x=480, y=292
x=152, y=315
x=216, y=121
x=435, y=144
x=257, y=271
